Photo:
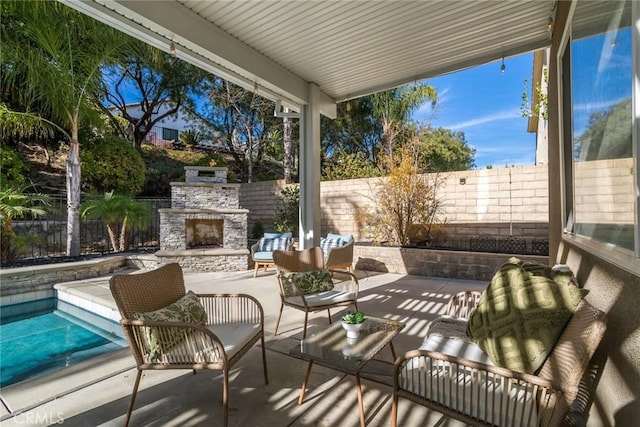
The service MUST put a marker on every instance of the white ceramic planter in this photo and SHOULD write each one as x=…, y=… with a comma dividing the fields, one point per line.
x=353, y=329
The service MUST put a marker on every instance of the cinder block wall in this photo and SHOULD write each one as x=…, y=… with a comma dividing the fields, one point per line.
x=493, y=202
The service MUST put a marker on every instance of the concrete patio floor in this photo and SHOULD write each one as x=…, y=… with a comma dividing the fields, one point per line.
x=96, y=392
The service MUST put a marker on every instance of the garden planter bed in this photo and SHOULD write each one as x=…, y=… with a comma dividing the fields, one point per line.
x=433, y=262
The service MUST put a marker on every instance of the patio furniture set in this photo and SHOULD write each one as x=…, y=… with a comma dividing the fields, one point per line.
x=465, y=368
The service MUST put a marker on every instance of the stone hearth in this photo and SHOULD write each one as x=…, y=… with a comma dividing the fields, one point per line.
x=205, y=229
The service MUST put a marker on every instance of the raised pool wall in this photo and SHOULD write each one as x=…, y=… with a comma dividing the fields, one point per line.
x=23, y=284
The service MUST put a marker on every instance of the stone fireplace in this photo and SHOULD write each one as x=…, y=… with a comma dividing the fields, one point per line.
x=205, y=229
x=204, y=233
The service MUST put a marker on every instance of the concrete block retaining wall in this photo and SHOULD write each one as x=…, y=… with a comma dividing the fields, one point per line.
x=491, y=202
x=429, y=262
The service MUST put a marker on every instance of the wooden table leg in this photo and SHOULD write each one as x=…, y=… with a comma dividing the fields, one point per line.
x=304, y=383
x=360, y=403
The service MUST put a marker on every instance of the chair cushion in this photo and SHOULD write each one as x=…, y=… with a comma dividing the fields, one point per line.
x=187, y=309
x=461, y=389
x=275, y=244
x=521, y=314
x=346, y=238
x=233, y=336
x=328, y=244
x=263, y=256
x=309, y=282
x=271, y=235
x=447, y=335
x=288, y=235
x=323, y=299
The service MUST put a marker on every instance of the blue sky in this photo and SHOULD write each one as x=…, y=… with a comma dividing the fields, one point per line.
x=485, y=104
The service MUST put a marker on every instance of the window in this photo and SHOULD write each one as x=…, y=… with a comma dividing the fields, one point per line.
x=169, y=134
x=599, y=160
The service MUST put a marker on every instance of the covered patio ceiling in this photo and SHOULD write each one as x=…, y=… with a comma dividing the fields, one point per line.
x=346, y=48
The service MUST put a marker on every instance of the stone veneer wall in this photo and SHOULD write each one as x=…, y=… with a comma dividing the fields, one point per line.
x=231, y=262
x=201, y=195
x=172, y=220
x=205, y=195
x=24, y=284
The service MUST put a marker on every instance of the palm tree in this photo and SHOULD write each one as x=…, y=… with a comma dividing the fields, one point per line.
x=15, y=203
x=394, y=108
x=55, y=55
x=117, y=210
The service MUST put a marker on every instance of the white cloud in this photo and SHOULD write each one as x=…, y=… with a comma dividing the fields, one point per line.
x=600, y=105
x=500, y=115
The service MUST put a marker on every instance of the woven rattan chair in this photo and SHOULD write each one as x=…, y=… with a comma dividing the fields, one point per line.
x=345, y=292
x=462, y=304
x=480, y=394
x=340, y=258
x=235, y=323
x=264, y=259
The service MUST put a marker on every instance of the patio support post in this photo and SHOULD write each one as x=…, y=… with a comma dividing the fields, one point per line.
x=309, y=227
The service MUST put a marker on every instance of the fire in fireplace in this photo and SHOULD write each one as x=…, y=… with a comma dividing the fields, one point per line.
x=204, y=233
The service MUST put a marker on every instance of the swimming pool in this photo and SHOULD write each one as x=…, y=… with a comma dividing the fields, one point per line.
x=40, y=336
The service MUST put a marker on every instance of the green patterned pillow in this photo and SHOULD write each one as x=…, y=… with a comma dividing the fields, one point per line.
x=310, y=282
x=187, y=309
x=521, y=315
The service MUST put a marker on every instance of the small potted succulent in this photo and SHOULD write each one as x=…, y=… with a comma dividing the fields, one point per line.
x=352, y=322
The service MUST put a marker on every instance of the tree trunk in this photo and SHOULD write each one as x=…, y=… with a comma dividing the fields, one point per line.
x=250, y=160
x=112, y=237
x=287, y=124
x=123, y=235
x=73, y=192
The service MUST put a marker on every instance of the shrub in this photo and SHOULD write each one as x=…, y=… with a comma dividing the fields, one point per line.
x=403, y=199
x=348, y=166
x=287, y=216
x=112, y=164
x=257, y=231
x=13, y=167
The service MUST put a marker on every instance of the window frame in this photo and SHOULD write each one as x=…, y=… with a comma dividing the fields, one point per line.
x=623, y=258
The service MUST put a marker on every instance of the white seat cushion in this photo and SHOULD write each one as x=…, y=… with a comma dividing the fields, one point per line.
x=233, y=336
x=323, y=298
x=263, y=256
x=452, y=388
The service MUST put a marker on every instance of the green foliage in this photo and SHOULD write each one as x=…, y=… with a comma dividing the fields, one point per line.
x=117, y=210
x=52, y=59
x=353, y=318
x=162, y=169
x=16, y=203
x=113, y=164
x=403, y=199
x=444, y=150
x=343, y=165
x=190, y=138
x=257, y=231
x=213, y=159
x=355, y=129
x=12, y=167
x=608, y=136
x=159, y=78
x=541, y=107
x=287, y=216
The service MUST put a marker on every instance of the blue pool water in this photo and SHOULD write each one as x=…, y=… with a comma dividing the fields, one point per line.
x=40, y=336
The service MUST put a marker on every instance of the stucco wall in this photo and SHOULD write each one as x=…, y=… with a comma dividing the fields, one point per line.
x=612, y=288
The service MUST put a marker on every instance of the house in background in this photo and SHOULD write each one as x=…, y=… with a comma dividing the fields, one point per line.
x=166, y=132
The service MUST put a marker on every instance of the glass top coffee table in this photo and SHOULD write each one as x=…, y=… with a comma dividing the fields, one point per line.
x=331, y=348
